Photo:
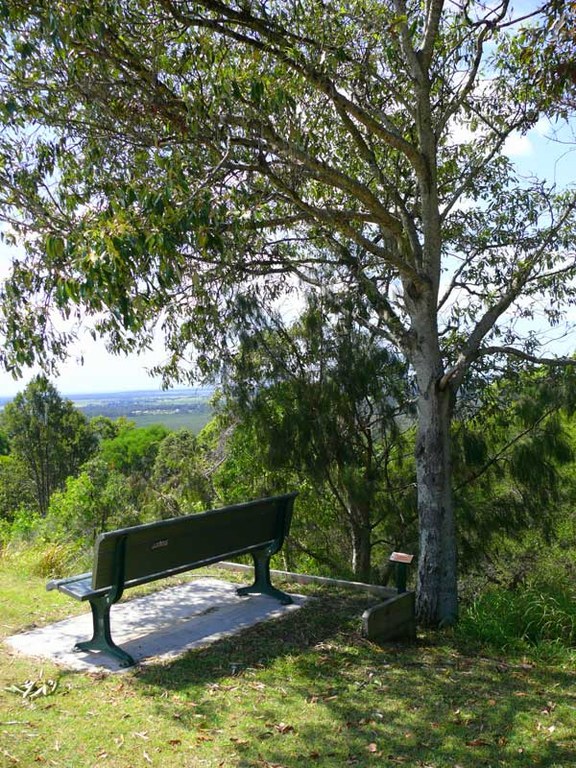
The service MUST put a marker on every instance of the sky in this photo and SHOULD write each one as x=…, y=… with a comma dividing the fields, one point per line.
x=548, y=152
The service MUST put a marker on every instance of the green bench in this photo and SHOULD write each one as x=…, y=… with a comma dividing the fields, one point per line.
x=143, y=553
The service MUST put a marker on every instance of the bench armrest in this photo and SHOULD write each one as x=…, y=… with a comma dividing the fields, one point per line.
x=77, y=587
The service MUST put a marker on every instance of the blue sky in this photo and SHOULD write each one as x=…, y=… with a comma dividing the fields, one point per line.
x=548, y=151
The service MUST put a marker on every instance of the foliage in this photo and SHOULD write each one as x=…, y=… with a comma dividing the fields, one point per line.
x=321, y=401
x=512, y=462
x=48, y=436
x=238, y=470
x=134, y=450
x=99, y=498
x=183, y=177
x=544, y=55
x=4, y=444
x=20, y=527
x=15, y=487
x=237, y=460
x=178, y=484
x=107, y=429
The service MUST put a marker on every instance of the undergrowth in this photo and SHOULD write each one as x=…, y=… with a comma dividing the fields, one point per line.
x=540, y=618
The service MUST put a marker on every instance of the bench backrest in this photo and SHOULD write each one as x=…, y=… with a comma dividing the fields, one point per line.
x=142, y=553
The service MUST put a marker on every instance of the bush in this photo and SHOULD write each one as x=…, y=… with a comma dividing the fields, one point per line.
x=23, y=525
x=98, y=499
x=46, y=559
x=52, y=561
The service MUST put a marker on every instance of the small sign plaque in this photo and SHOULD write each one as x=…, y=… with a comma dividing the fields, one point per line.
x=401, y=557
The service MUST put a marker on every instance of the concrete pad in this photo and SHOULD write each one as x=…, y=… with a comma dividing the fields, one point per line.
x=162, y=625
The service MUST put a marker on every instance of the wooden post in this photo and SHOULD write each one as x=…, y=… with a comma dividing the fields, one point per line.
x=402, y=561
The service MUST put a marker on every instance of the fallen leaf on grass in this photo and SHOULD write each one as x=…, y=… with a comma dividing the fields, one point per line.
x=31, y=689
x=372, y=747
x=266, y=764
x=478, y=743
x=280, y=727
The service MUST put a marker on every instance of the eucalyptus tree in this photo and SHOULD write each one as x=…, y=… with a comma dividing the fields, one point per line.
x=175, y=162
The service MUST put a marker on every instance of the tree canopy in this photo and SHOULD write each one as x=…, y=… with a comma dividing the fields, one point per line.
x=181, y=163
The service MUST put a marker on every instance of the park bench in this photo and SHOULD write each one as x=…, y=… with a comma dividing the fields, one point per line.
x=141, y=554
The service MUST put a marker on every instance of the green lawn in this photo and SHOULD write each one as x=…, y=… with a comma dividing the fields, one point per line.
x=306, y=690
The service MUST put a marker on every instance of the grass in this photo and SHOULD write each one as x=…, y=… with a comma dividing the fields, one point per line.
x=539, y=616
x=192, y=420
x=306, y=690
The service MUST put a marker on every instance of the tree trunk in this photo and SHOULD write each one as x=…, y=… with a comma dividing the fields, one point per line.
x=437, y=595
x=436, y=590
x=361, y=547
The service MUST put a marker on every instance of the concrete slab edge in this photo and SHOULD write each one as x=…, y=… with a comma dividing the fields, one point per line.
x=302, y=578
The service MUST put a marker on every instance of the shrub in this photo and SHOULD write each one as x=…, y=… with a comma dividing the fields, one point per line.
x=24, y=524
x=50, y=560
x=96, y=500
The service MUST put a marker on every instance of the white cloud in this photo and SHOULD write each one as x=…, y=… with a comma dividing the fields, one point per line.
x=517, y=145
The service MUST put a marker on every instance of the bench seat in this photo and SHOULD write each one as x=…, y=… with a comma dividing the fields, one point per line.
x=141, y=554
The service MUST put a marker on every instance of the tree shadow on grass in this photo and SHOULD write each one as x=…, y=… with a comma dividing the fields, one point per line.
x=307, y=689
x=318, y=619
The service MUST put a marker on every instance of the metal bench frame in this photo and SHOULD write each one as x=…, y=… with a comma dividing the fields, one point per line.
x=129, y=557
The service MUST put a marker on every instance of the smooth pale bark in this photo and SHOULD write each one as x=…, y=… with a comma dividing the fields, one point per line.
x=437, y=602
x=437, y=594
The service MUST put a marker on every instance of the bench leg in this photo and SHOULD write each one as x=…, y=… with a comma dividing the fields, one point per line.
x=102, y=638
x=262, y=584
